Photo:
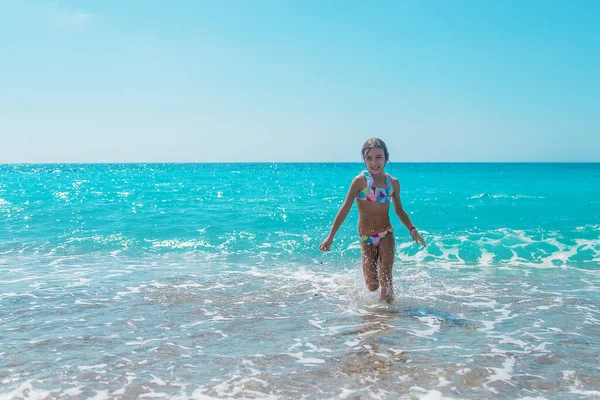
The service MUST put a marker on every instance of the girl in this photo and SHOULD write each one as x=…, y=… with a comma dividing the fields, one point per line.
x=374, y=191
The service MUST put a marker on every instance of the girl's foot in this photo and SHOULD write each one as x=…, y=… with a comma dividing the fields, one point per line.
x=389, y=298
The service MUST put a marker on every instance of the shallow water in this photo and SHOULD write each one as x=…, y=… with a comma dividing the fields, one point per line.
x=196, y=281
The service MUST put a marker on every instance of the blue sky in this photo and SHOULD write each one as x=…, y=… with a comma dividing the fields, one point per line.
x=280, y=80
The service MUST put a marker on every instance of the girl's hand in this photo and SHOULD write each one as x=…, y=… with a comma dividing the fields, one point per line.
x=417, y=238
x=326, y=244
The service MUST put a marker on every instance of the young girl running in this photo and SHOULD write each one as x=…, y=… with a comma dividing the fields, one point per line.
x=374, y=190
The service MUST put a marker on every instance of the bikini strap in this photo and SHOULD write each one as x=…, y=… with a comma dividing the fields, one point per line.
x=388, y=183
x=368, y=177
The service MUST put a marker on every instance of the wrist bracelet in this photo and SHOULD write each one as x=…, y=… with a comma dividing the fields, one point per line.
x=410, y=230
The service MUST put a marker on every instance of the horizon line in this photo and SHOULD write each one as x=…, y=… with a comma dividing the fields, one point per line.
x=290, y=162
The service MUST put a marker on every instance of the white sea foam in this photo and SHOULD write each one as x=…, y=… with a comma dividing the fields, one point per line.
x=306, y=360
x=425, y=394
x=502, y=374
x=27, y=390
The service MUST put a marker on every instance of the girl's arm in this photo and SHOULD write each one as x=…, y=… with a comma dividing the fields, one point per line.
x=342, y=213
x=403, y=215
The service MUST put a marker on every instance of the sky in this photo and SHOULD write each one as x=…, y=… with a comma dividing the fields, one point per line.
x=299, y=81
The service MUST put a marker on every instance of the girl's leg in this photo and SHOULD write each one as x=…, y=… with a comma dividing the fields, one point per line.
x=386, y=262
x=370, y=254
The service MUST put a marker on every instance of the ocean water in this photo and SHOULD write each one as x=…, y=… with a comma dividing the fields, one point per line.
x=205, y=281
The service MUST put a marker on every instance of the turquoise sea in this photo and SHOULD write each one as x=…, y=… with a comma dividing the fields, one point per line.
x=205, y=281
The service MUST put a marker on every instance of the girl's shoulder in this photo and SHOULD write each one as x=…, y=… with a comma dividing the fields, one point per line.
x=360, y=178
x=394, y=181
x=360, y=181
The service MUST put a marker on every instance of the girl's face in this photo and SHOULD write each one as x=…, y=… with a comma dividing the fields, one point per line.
x=375, y=160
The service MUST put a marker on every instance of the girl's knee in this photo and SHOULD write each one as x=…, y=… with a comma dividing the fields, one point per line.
x=373, y=286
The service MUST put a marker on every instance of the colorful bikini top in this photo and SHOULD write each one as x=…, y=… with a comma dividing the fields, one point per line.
x=375, y=194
